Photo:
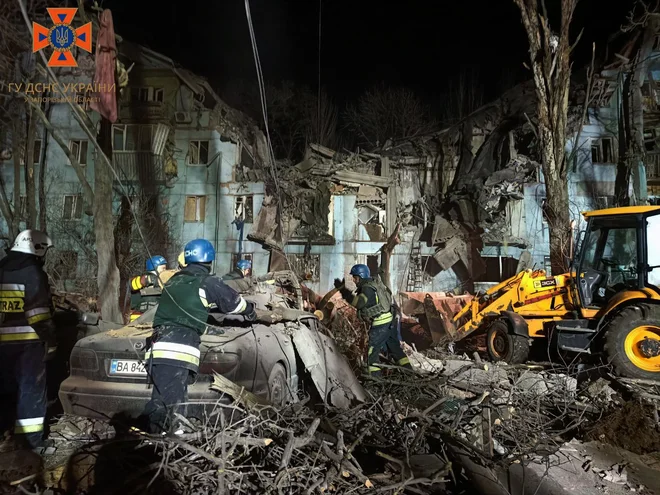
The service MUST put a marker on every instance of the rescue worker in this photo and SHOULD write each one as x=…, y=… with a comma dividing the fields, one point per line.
x=173, y=357
x=374, y=305
x=145, y=289
x=27, y=332
x=241, y=270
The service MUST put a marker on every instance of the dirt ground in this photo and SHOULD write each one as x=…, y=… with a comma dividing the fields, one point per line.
x=630, y=427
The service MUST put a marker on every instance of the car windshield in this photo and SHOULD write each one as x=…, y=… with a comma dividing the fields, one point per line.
x=610, y=246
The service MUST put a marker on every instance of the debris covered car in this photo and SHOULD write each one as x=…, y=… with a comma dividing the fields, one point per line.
x=108, y=374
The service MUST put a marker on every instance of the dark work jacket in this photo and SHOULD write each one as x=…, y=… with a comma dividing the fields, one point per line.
x=181, y=316
x=233, y=275
x=26, y=304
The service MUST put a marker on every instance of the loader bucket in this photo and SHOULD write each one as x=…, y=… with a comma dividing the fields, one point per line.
x=435, y=311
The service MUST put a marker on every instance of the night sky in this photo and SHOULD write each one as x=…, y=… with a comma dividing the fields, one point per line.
x=421, y=44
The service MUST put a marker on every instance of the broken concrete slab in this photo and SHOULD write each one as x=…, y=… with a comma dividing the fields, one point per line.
x=532, y=383
x=454, y=250
x=492, y=376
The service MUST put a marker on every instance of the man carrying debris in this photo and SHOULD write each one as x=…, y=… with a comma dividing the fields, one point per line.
x=179, y=323
x=145, y=289
x=374, y=305
x=242, y=270
x=27, y=332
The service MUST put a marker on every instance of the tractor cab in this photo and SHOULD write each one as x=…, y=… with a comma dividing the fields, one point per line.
x=620, y=252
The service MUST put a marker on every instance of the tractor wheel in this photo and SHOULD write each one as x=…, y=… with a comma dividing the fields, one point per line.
x=623, y=335
x=502, y=345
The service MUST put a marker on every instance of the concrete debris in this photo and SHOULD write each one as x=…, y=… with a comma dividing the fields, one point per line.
x=420, y=362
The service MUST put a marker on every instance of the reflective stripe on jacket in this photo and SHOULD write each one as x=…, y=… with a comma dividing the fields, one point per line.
x=25, y=300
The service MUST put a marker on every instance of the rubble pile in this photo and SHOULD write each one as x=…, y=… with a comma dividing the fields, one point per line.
x=417, y=432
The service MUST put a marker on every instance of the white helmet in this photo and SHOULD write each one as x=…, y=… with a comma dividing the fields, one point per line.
x=32, y=242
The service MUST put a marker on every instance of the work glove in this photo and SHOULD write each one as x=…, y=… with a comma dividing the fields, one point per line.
x=340, y=283
x=267, y=317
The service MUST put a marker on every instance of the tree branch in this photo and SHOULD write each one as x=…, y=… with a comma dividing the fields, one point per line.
x=88, y=193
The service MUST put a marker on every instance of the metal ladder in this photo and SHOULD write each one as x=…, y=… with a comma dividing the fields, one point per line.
x=415, y=269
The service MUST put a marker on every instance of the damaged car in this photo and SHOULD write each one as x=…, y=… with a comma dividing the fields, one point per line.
x=109, y=375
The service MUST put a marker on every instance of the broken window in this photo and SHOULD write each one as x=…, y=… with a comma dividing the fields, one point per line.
x=602, y=150
x=372, y=264
x=78, y=148
x=373, y=219
x=244, y=208
x=132, y=137
x=73, y=205
x=147, y=94
x=194, y=210
x=498, y=268
x=198, y=152
x=306, y=266
x=235, y=258
x=64, y=265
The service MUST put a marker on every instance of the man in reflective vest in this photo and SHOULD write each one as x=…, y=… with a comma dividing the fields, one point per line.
x=145, y=289
x=178, y=325
x=27, y=332
x=374, y=305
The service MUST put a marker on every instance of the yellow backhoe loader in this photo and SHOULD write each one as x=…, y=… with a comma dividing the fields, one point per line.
x=608, y=302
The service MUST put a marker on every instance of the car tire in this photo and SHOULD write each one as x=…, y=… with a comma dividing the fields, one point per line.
x=278, y=386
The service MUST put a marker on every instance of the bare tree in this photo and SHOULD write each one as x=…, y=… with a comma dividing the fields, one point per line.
x=296, y=115
x=383, y=113
x=551, y=68
x=465, y=95
x=16, y=121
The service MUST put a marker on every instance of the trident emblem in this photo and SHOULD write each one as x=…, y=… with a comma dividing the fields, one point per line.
x=62, y=37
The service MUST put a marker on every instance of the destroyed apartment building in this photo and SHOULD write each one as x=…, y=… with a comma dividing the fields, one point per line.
x=175, y=146
x=469, y=198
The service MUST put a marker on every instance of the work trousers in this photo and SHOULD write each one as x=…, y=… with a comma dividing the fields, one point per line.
x=170, y=388
x=383, y=337
x=23, y=375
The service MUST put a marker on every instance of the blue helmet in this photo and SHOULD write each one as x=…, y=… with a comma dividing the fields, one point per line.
x=244, y=264
x=361, y=271
x=199, y=251
x=154, y=262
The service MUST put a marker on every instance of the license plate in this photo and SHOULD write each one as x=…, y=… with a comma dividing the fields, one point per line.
x=127, y=367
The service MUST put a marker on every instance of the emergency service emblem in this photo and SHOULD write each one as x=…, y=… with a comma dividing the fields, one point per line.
x=62, y=37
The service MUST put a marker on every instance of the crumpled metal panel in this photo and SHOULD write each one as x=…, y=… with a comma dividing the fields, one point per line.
x=329, y=369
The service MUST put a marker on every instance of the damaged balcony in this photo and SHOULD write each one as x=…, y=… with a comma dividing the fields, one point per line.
x=142, y=167
x=139, y=153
